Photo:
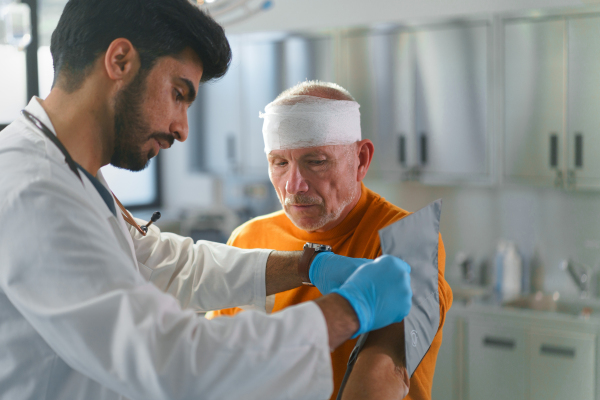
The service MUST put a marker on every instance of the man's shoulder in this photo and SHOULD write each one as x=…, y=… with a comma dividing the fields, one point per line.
x=22, y=158
x=259, y=226
x=27, y=168
x=382, y=211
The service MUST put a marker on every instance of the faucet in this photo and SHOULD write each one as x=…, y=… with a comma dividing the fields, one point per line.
x=581, y=275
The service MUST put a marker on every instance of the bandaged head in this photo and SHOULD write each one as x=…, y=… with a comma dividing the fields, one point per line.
x=308, y=121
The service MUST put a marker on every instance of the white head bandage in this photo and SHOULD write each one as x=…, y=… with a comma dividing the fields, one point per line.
x=310, y=122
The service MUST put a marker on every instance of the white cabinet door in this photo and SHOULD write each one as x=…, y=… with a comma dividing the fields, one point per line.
x=452, y=79
x=355, y=71
x=496, y=362
x=449, y=367
x=534, y=78
x=378, y=70
x=215, y=121
x=562, y=366
x=583, y=138
x=261, y=78
x=307, y=58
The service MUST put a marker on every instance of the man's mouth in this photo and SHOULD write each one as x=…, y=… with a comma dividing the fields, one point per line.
x=163, y=144
x=302, y=207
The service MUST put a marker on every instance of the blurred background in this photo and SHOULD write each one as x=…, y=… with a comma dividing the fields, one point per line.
x=493, y=106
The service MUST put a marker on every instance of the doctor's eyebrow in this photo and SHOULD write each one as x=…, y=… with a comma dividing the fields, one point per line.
x=191, y=90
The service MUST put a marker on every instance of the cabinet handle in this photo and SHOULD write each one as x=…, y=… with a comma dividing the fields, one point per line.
x=558, y=180
x=578, y=150
x=553, y=150
x=423, y=148
x=558, y=351
x=402, y=149
x=502, y=343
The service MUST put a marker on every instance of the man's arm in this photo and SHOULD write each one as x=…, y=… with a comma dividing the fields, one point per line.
x=238, y=277
x=380, y=369
x=282, y=271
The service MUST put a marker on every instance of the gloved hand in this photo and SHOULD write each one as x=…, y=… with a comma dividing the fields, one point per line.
x=329, y=271
x=379, y=292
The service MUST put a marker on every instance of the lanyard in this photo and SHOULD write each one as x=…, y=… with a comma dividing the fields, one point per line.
x=73, y=166
x=44, y=129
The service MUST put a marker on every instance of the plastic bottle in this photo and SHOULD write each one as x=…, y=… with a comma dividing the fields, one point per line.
x=536, y=267
x=509, y=271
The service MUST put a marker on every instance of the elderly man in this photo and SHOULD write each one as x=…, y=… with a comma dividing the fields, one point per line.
x=317, y=162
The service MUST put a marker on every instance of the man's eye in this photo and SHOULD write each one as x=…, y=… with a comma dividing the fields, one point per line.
x=178, y=95
x=281, y=163
x=317, y=162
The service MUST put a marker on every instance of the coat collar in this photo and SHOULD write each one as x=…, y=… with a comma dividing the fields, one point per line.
x=35, y=108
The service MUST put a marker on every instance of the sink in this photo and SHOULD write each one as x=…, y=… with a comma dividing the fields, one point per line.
x=553, y=303
x=469, y=292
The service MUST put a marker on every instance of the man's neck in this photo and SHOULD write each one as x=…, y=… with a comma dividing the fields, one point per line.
x=329, y=226
x=80, y=120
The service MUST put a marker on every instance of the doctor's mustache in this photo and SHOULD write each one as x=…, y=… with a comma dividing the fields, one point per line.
x=163, y=136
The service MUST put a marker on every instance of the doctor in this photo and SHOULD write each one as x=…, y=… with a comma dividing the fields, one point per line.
x=92, y=309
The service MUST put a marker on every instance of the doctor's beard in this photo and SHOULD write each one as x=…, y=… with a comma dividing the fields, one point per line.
x=131, y=129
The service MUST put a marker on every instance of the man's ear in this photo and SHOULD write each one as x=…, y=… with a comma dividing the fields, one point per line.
x=365, y=149
x=121, y=60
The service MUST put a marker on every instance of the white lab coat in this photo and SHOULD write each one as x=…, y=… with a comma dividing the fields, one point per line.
x=79, y=318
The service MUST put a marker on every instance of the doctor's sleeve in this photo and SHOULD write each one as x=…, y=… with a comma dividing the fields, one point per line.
x=77, y=287
x=204, y=275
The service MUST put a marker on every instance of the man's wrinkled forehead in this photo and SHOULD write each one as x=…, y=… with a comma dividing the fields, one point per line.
x=305, y=152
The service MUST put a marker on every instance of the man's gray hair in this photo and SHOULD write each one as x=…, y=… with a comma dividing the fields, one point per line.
x=326, y=90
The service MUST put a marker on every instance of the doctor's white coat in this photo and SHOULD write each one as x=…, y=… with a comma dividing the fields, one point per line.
x=90, y=310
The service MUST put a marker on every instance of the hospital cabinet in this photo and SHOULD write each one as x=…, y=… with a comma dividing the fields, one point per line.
x=424, y=95
x=496, y=358
x=494, y=353
x=552, y=105
x=226, y=115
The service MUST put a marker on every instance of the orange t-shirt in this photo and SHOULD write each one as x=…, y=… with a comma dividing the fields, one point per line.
x=357, y=236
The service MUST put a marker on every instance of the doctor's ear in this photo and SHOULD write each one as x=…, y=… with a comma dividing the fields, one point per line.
x=121, y=61
x=365, y=149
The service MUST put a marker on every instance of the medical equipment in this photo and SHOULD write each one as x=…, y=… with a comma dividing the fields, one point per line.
x=368, y=291
x=310, y=122
x=73, y=166
x=344, y=267
x=414, y=239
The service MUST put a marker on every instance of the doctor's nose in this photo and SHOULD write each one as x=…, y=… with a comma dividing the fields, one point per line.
x=295, y=183
x=179, y=128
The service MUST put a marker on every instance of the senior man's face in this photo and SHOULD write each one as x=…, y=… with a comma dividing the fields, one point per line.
x=316, y=186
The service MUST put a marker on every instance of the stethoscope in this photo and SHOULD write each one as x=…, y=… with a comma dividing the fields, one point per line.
x=73, y=166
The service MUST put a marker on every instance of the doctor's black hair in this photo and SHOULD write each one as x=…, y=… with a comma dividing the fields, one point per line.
x=156, y=28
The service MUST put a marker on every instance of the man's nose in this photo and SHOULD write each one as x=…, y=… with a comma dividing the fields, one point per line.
x=179, y=127
x=295, y=181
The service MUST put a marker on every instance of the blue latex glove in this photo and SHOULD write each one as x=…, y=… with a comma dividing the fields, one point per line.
x=379, y=292
x=329, y=271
